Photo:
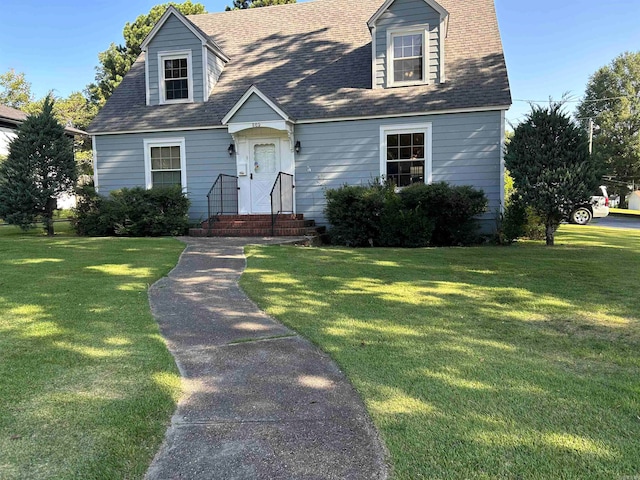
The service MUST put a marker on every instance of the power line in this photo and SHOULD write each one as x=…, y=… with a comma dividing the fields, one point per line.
x=575, y=101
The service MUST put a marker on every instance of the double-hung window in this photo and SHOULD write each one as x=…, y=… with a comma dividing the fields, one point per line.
x=406, y=56
x=176, y=79
x=165, y=162
x=406, y=154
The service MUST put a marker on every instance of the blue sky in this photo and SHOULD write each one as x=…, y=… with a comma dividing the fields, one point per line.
x=551, y=47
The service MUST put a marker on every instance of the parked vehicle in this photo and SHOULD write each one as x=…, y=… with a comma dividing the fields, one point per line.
x=598, y=207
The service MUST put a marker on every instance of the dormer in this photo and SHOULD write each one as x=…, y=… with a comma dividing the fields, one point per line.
x=182, y=64
x=408, y=38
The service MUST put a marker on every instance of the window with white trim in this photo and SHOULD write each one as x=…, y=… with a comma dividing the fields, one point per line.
x=406, y=154
x=406, y=56
x=165, y=163
x=176, y=79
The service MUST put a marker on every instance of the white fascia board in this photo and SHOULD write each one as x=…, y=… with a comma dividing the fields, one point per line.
x=147, y=87
x=161, y=130
x=94, y=160
x=217, y=52
x=441, y=37
x=432, y=3
x=502, y=167
x=205, y=71
x=403, y=115
x=374, y=48
x=254, y=90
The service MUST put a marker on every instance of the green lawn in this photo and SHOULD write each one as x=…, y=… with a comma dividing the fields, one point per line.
x=87, y=386
x=488, y=362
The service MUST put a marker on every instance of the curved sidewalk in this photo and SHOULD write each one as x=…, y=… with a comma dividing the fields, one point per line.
x=260, y=402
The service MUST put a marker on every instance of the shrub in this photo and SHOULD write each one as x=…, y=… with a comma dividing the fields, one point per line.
x=92, y=216
x=404, y=227
x=452, y=209
x=134, y=212
x=420, y=215
x=519, y=221
x=512, y=221
x=354, y=212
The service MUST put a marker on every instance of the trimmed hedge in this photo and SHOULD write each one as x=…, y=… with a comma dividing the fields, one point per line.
x=132, y=212
x=419, y=215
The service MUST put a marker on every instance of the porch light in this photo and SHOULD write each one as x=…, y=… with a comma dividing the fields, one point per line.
x=231, y=149
x=297, y=147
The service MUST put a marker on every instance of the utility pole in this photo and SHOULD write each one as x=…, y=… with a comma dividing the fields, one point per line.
x=590, y=136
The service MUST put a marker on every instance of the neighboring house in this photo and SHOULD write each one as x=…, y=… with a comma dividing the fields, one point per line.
x=10, y=120
x=330, y=91
x=634, y=200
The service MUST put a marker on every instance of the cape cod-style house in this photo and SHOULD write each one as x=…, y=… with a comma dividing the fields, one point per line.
x=262, y=110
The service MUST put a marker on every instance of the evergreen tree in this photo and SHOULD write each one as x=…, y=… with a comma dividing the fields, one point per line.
x=40, y=166
x=548, y=158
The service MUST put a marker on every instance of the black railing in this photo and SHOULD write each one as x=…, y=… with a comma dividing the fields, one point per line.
x=223, y=197
x=281, y=197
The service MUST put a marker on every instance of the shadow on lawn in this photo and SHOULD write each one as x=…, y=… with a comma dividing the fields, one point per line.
x=86, y=382
x=486, y=362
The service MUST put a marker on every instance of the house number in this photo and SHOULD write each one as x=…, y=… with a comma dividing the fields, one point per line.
x=255, y=125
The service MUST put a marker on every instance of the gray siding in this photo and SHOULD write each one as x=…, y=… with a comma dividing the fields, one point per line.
x=407, y=13
x=465, y=151
x=175, y=36
x=120, y=161
x=214, y=68
x=254, y=110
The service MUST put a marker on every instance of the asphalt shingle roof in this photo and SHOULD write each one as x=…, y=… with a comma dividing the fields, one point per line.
x=12, y=114
x=16, y=117
x=314, y=60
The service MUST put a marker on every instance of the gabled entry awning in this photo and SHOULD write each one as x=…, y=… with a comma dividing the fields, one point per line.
x=257, y=110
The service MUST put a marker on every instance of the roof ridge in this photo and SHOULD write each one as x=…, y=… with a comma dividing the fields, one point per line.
x=271, y=7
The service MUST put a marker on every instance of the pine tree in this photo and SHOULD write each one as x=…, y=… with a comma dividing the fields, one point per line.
x=548, y=158
x=40, y=166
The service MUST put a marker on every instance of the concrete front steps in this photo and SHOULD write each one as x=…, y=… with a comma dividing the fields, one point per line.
x=287, y=225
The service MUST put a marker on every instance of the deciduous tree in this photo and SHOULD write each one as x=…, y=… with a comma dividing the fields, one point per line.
x=15, y=91
x=612, y=101
x=40, y=167
x=548, y=158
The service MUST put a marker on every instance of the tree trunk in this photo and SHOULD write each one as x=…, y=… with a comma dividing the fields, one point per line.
x=550, y=234
x=52, y=203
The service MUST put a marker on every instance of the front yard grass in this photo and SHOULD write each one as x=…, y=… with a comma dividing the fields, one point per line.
x=87, y=386
x=488, y=362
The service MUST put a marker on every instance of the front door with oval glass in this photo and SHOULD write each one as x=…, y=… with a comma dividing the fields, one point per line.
x=264, y=165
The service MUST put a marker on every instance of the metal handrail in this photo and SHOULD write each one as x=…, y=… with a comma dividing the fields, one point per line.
x=222, y=198
x=283, y=188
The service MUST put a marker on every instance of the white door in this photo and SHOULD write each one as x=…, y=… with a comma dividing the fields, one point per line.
x=264, y=165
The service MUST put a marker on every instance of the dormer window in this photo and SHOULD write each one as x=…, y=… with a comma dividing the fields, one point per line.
x=176, y=77
x=406, y=56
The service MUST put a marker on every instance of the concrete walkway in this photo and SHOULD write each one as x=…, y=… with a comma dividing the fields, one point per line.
x=260, y=402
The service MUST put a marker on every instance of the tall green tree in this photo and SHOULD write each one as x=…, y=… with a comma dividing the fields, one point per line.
x=548, y=158
x=116, y=61
x=15, y=91
x=612, y=101
x=243, y=4
x=40, y=167
x=73, y=111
